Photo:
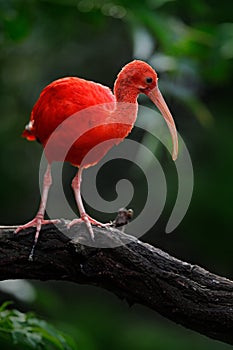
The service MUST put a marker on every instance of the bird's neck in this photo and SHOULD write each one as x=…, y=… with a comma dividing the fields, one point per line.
x=125, y=93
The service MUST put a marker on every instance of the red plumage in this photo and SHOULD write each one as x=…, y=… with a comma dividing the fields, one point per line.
x=66, y=97
x=83, y=114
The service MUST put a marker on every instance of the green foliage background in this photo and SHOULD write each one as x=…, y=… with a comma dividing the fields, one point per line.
x=190, y=44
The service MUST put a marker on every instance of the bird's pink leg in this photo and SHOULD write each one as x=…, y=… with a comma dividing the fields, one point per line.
x=38, y=221
x=76, y=185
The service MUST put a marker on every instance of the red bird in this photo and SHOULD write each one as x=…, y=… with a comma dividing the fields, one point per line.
x=70, y=96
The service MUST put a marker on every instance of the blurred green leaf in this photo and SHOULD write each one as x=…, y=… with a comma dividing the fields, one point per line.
x=27, y=330
x=225, y=39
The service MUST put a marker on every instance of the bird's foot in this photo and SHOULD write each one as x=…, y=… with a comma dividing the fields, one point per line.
x=88, y=221
x=36, y=222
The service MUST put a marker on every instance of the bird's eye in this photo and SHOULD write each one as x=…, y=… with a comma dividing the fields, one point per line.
x=149, y=80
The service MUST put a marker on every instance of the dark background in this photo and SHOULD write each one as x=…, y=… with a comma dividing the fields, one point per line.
x=190, y=44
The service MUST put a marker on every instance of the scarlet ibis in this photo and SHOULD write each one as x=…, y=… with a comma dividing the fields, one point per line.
x=67, y=96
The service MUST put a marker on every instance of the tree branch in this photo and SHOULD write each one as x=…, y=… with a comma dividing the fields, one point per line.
x=137, y=272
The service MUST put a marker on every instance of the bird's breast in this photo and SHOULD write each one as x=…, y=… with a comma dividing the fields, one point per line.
x=79, y=121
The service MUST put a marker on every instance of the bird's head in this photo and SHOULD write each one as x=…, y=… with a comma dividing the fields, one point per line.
x=139, y=77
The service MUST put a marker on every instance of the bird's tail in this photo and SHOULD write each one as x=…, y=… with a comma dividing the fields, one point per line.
x=28, y=132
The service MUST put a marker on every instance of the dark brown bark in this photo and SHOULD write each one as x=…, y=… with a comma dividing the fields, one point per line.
x=137, y=272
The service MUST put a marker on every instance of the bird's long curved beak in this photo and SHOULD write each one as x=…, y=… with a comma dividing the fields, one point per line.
x=157, y=98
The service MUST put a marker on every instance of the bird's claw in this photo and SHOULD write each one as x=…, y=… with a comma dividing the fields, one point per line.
x=88, y=221
x=36, y=222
